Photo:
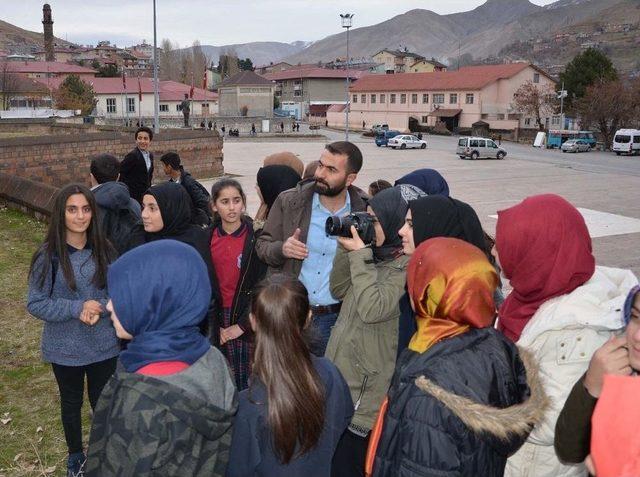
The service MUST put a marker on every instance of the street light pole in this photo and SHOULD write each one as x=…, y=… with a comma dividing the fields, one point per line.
x=156, y=95
x=346, y=19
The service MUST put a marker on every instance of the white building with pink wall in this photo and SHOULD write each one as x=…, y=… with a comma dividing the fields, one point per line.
x=457, y=98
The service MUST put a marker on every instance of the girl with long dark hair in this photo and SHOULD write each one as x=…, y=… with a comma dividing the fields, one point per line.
x=297, y=406
x=67, y=290
x=237, y=269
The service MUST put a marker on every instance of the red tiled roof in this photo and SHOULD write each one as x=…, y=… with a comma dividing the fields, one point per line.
x=168, y=90
x=336, y=108
x=467, y=78
x=48, y=67
x=312, y=72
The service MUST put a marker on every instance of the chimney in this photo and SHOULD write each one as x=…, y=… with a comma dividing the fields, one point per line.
x=47, y=22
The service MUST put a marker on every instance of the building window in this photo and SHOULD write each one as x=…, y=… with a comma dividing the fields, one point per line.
x=469, y=98
x=355, y=98
x=500, y=116
x=392, y=98
x=438, y=98
x=414, y=98
x=536, y=77
x=111, y=105
x=425, y=98
x=453, y=98
x=383, y=98
x=131, y=105
x=164, y=108
x=297, y=93
x=278, y=92
x=403, y=99
x=373, y=99
x=555, y=120
x=178, y=107
x=363, y=98
x=527, y=122
x=425, y=119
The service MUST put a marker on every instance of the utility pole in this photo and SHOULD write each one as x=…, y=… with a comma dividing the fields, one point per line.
x=156, y=94
x=346, y=23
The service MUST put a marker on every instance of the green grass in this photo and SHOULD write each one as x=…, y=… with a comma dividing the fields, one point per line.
x=32, y=442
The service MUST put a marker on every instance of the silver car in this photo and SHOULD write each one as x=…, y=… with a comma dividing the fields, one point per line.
x=575, y=145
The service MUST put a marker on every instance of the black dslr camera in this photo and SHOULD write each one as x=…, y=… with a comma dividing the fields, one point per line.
x=341, y=226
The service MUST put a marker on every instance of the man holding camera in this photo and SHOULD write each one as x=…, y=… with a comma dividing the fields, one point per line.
x=294, y=238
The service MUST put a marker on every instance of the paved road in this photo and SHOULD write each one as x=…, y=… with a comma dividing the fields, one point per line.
x=596, y=181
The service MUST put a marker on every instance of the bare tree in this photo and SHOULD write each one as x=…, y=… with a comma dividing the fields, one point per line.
x=228, y=64
x=608, y=106
x=169, y=61
x=9, y=84
x=199, y=63
x=536, y=101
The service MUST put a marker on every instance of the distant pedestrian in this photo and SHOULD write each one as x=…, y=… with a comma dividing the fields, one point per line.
x=281, y=126
x=202, y=126
x=420, y=136
x=253, y=129
x=223, y=130
x=326, y=123
x=364, y=124
x=136, y=169
x=210, y=125
x=68, y=292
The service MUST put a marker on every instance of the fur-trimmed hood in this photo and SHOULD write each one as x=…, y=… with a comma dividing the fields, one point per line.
x=506, y=423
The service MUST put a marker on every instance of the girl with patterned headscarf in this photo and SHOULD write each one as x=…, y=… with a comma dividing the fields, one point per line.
x=462, y=398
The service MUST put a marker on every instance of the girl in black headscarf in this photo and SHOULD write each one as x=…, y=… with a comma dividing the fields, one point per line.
x=166, y=214
x=439, y=216
x=271, y=181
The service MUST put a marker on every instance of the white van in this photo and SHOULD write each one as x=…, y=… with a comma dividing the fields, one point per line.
x=626, y=141
x=477, y=147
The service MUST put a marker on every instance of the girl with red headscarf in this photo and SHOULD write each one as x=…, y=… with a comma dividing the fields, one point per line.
x=461, y=399
x=562, y=308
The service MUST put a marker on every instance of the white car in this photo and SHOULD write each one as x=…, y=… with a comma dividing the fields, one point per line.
x=406, y=141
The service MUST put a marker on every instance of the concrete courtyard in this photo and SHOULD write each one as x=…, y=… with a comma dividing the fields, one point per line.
x=605, y=187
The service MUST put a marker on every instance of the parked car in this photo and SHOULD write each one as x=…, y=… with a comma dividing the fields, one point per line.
x=382, y=138
x=477, y=147
x=406, y=141
x=626, y=141
x=575, y=145
x=378, y=128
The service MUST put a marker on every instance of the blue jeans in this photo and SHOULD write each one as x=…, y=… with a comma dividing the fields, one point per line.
x=321, y=332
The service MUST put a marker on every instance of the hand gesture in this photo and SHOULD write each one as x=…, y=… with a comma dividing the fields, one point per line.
x=294, y=248
x=352, y=243
x=231, y=333
x=90, y=313
x=611, y=358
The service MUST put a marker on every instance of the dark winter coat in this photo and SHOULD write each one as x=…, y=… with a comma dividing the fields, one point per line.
x=113, y=198
x=572, y=439
x=252, y=270
x=459, y=409
x=175, y=425
x=199, y=196
x=133, y=172
x=252, y=453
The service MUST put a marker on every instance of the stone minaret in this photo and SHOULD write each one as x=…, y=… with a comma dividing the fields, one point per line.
x=47, y=22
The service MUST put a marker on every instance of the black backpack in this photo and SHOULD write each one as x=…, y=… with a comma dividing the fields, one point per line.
x=123, y=228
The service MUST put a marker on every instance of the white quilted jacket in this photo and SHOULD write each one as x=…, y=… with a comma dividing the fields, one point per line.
x=563, y=335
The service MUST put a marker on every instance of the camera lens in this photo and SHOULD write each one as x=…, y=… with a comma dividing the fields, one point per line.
x=332, y=226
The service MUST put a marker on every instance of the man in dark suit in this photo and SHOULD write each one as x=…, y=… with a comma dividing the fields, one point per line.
x=136, y=169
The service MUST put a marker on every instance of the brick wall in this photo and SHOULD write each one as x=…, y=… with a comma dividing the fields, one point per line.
x=61, y=159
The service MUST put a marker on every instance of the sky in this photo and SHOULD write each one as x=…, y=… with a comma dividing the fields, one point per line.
x=212, y=22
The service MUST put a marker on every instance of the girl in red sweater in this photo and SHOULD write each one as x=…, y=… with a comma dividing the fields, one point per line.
x=237, y=270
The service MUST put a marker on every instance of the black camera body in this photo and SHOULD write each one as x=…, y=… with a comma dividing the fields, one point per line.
x=341, y=226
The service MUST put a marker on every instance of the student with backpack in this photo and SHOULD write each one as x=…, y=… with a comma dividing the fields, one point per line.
x=237, y=271
x=298, y=405
x=68, y=291
x=118, y=213
x=201, y=214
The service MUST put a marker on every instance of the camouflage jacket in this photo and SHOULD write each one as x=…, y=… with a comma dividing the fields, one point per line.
x=145, y=426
